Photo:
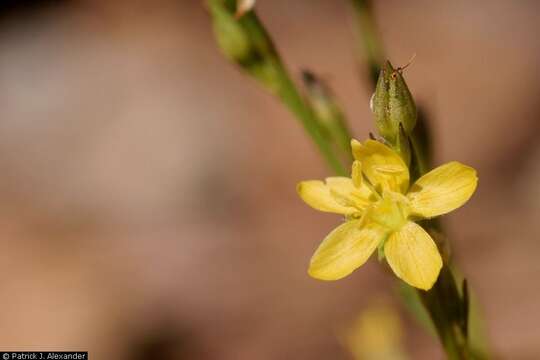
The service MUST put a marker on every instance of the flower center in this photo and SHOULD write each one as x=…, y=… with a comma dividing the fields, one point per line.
x=391, y=211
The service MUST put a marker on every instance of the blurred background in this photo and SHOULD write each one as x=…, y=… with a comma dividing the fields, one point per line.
x=148, y=206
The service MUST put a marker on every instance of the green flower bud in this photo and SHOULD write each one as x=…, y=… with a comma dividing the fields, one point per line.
x=230, y=36
x=245, y=42
x=392, y=104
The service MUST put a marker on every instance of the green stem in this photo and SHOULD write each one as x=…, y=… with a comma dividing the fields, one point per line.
x=330, y=117
x=246, y=42
x=296, y=104
x=447, y=310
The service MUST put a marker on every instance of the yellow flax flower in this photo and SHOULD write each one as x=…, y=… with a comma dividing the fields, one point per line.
x=381, y=209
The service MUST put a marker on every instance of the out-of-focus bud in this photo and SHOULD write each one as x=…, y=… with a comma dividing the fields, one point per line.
x=245, y=42
x=376, y=334
x=231, y=37
x=392, y=104
x=327, y=110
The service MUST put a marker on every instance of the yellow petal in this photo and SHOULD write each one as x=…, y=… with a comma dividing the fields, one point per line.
x=383, y=167
x=356, y=174
x=345, y=249
x=413, y=256
x=340, y=184
x=316, y=194
x=442, y=190
x=347, y=194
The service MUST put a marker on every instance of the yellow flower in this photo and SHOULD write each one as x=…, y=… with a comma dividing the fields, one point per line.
x=381, y=209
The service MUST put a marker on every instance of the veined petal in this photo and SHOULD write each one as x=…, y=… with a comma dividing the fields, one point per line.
x=345, y=249
x=317, y=194
x=340, y=184
x=347, y=194
x=383, y=167
x=442, y=190
x=413, y=256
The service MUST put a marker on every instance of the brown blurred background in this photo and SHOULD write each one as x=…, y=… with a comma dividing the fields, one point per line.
x=148, y=206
